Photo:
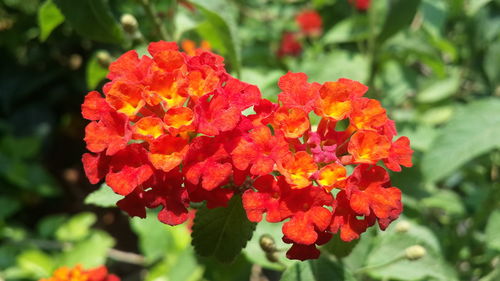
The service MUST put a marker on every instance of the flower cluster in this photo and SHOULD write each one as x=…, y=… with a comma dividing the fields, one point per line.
x=77, y=273
x=170, y=130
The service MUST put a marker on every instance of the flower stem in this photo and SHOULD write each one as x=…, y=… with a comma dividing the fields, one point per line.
x=152, y=14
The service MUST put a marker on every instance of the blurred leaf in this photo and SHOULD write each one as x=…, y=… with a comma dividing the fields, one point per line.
x=155, y=240
x=421, y=137
x=49, y=17
x=49, y=225
x=351, y=29
x=358, y=255
x=440, y=89
x=434, y=13
x=181, y=266
x=493, y=230
x=387, y=260
x=219, y=28
x=317, y=270
x=473, y=6
x=9, y=207
x=473, y=131
x=103, y=197
x=492, y=63
x=95, y=72
x=222, y=232
x=492, y=276
x=400, y=16
x=76, y=228
x=92, y=19
x=436, y=115
x=446, y=200
x=91, y=252
x=256, y=255
x=319, y=67
x=36, y=263
x=20, y=147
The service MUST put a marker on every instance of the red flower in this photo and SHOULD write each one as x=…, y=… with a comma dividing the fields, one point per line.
x=361, y=5
x=289, y=45
x=310, y=23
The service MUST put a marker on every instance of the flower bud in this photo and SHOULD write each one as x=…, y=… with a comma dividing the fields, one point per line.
x=267, y=243
x=129, y=23
x=103, y=58
x=415, y=252
x=403, y=226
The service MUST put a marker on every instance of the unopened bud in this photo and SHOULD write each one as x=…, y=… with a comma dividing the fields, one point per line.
x=103, y=58
x=403, y=226
x=267, y=243
x=415, y=252
x=129, y=23
x=75, y=61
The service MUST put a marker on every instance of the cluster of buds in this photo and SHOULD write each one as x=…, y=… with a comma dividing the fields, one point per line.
x=171, y=130
x=77, y=273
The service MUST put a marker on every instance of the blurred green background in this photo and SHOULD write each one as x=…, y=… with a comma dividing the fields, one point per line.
x=434, y=64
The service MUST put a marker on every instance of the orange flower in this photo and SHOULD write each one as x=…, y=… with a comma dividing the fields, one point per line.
x=77, y=273
x=332, y=176
x=298, y=169
x=368, y=147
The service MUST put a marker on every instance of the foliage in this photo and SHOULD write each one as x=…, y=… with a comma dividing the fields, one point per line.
x=433, y=64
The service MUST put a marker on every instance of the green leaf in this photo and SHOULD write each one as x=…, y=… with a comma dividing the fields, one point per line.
x=320, y=68
x=49, y=17
x=9, y=207
x=400, y=15
x=222, y=232
x=340, y=248
x=493, y=230
x=446, y=200
x=181, y=266
x=92, y=19
x=219, y=28
x=91, y=252
x=103, y=197
x=387, y=260
x=441, y=89
x=474, y=130
x=351, y=29
x=492, y=63
x=76, y=228
x=317, y=270
x=154, y=237
x=36, y=263
x=95, y=72
x=473, y=6
x=49, y=225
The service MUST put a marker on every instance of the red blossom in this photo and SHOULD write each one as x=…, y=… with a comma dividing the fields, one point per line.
x=310, y=23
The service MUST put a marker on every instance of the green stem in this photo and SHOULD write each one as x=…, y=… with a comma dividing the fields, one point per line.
x=368, y=268
x=151, y=12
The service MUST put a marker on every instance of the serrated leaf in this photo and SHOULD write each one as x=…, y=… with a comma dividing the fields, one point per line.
x=103, y=197
x=219, y=28
x=474, y=130
x=95, y=72
x=400, y=15
x=49, y=17
x=76, y=228
x=92, y=19
x=493, y=230
x=317, y=270
x=222, y=232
